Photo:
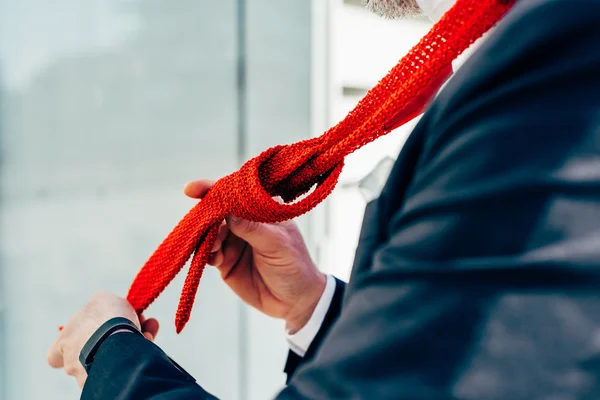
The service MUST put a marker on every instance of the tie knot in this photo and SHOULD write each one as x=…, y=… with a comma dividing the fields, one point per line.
x=252, y=189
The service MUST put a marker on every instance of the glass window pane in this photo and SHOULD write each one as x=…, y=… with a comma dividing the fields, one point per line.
x=108, y=108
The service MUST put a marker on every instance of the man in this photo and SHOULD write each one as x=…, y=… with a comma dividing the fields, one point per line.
x=477, y=271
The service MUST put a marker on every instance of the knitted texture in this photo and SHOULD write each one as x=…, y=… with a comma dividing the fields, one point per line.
x=311, y=168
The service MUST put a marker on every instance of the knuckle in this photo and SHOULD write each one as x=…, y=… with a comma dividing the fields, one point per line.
x=223, y=229
x=99, y=296
x=217, y=259
x=72, y=369
x=252, y=227
x=220, y=239
x=81, y=378
x=285, y=242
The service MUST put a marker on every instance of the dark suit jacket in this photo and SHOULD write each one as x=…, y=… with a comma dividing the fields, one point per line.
x=477, y=272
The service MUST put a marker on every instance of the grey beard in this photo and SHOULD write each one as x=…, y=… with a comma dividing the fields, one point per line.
x=394, y=9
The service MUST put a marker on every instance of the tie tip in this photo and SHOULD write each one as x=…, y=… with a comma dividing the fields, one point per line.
x=180, y=324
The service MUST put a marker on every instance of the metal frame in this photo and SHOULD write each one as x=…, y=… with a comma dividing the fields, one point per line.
x=318, y=221
x=3, y=355
x=242, y=153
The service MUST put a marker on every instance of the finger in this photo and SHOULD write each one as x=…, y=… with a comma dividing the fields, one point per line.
x=197, y=189
x=216, y=259
x=73, y=367
x=221, y=236
x=236, y=271
x=81, y=378
x=148, y=336
x=151, y=326
x=232, y=252
x=265, y=238
x=55, y=355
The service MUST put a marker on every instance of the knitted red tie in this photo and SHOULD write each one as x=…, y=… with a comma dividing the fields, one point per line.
x=314, y=164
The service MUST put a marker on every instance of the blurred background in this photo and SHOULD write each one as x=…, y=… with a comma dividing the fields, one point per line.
x=107, y=108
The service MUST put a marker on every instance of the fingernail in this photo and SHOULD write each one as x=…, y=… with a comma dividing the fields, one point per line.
x=235, y=219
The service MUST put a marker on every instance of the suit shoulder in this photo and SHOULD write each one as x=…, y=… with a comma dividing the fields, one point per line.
x=532, y=22
x=575, y=5
x=539, y=43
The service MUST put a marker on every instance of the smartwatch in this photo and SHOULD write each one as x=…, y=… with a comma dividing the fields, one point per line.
x=87, y=354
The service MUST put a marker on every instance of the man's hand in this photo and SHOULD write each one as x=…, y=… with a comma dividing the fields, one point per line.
x=64, y=352
x=266, y=265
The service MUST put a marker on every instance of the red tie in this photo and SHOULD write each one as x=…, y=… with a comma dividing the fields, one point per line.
x=312, y=167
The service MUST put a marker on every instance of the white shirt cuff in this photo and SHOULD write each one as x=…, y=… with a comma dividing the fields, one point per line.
x=300, y=341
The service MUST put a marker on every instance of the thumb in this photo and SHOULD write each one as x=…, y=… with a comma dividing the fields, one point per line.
x=197, y=189
x=264, y=238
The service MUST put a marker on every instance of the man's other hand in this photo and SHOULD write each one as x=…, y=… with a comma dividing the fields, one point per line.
x=267, y=265
x=64, y=352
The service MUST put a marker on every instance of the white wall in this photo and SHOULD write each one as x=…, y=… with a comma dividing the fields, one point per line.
x=107, y=108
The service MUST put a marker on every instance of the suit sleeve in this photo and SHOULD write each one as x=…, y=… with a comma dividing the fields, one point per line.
x=505, y=197
x=333, y=312
x=129, y=367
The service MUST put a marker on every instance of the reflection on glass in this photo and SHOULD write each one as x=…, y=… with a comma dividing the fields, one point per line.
x=370, y=185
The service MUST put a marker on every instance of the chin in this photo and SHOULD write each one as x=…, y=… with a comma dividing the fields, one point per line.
x=394, y=9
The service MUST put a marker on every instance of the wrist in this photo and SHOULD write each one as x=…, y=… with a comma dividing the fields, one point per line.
x=107, y=329
x=303, y=310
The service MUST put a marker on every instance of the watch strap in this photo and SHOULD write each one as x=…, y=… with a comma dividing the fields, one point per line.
x=88, y=352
